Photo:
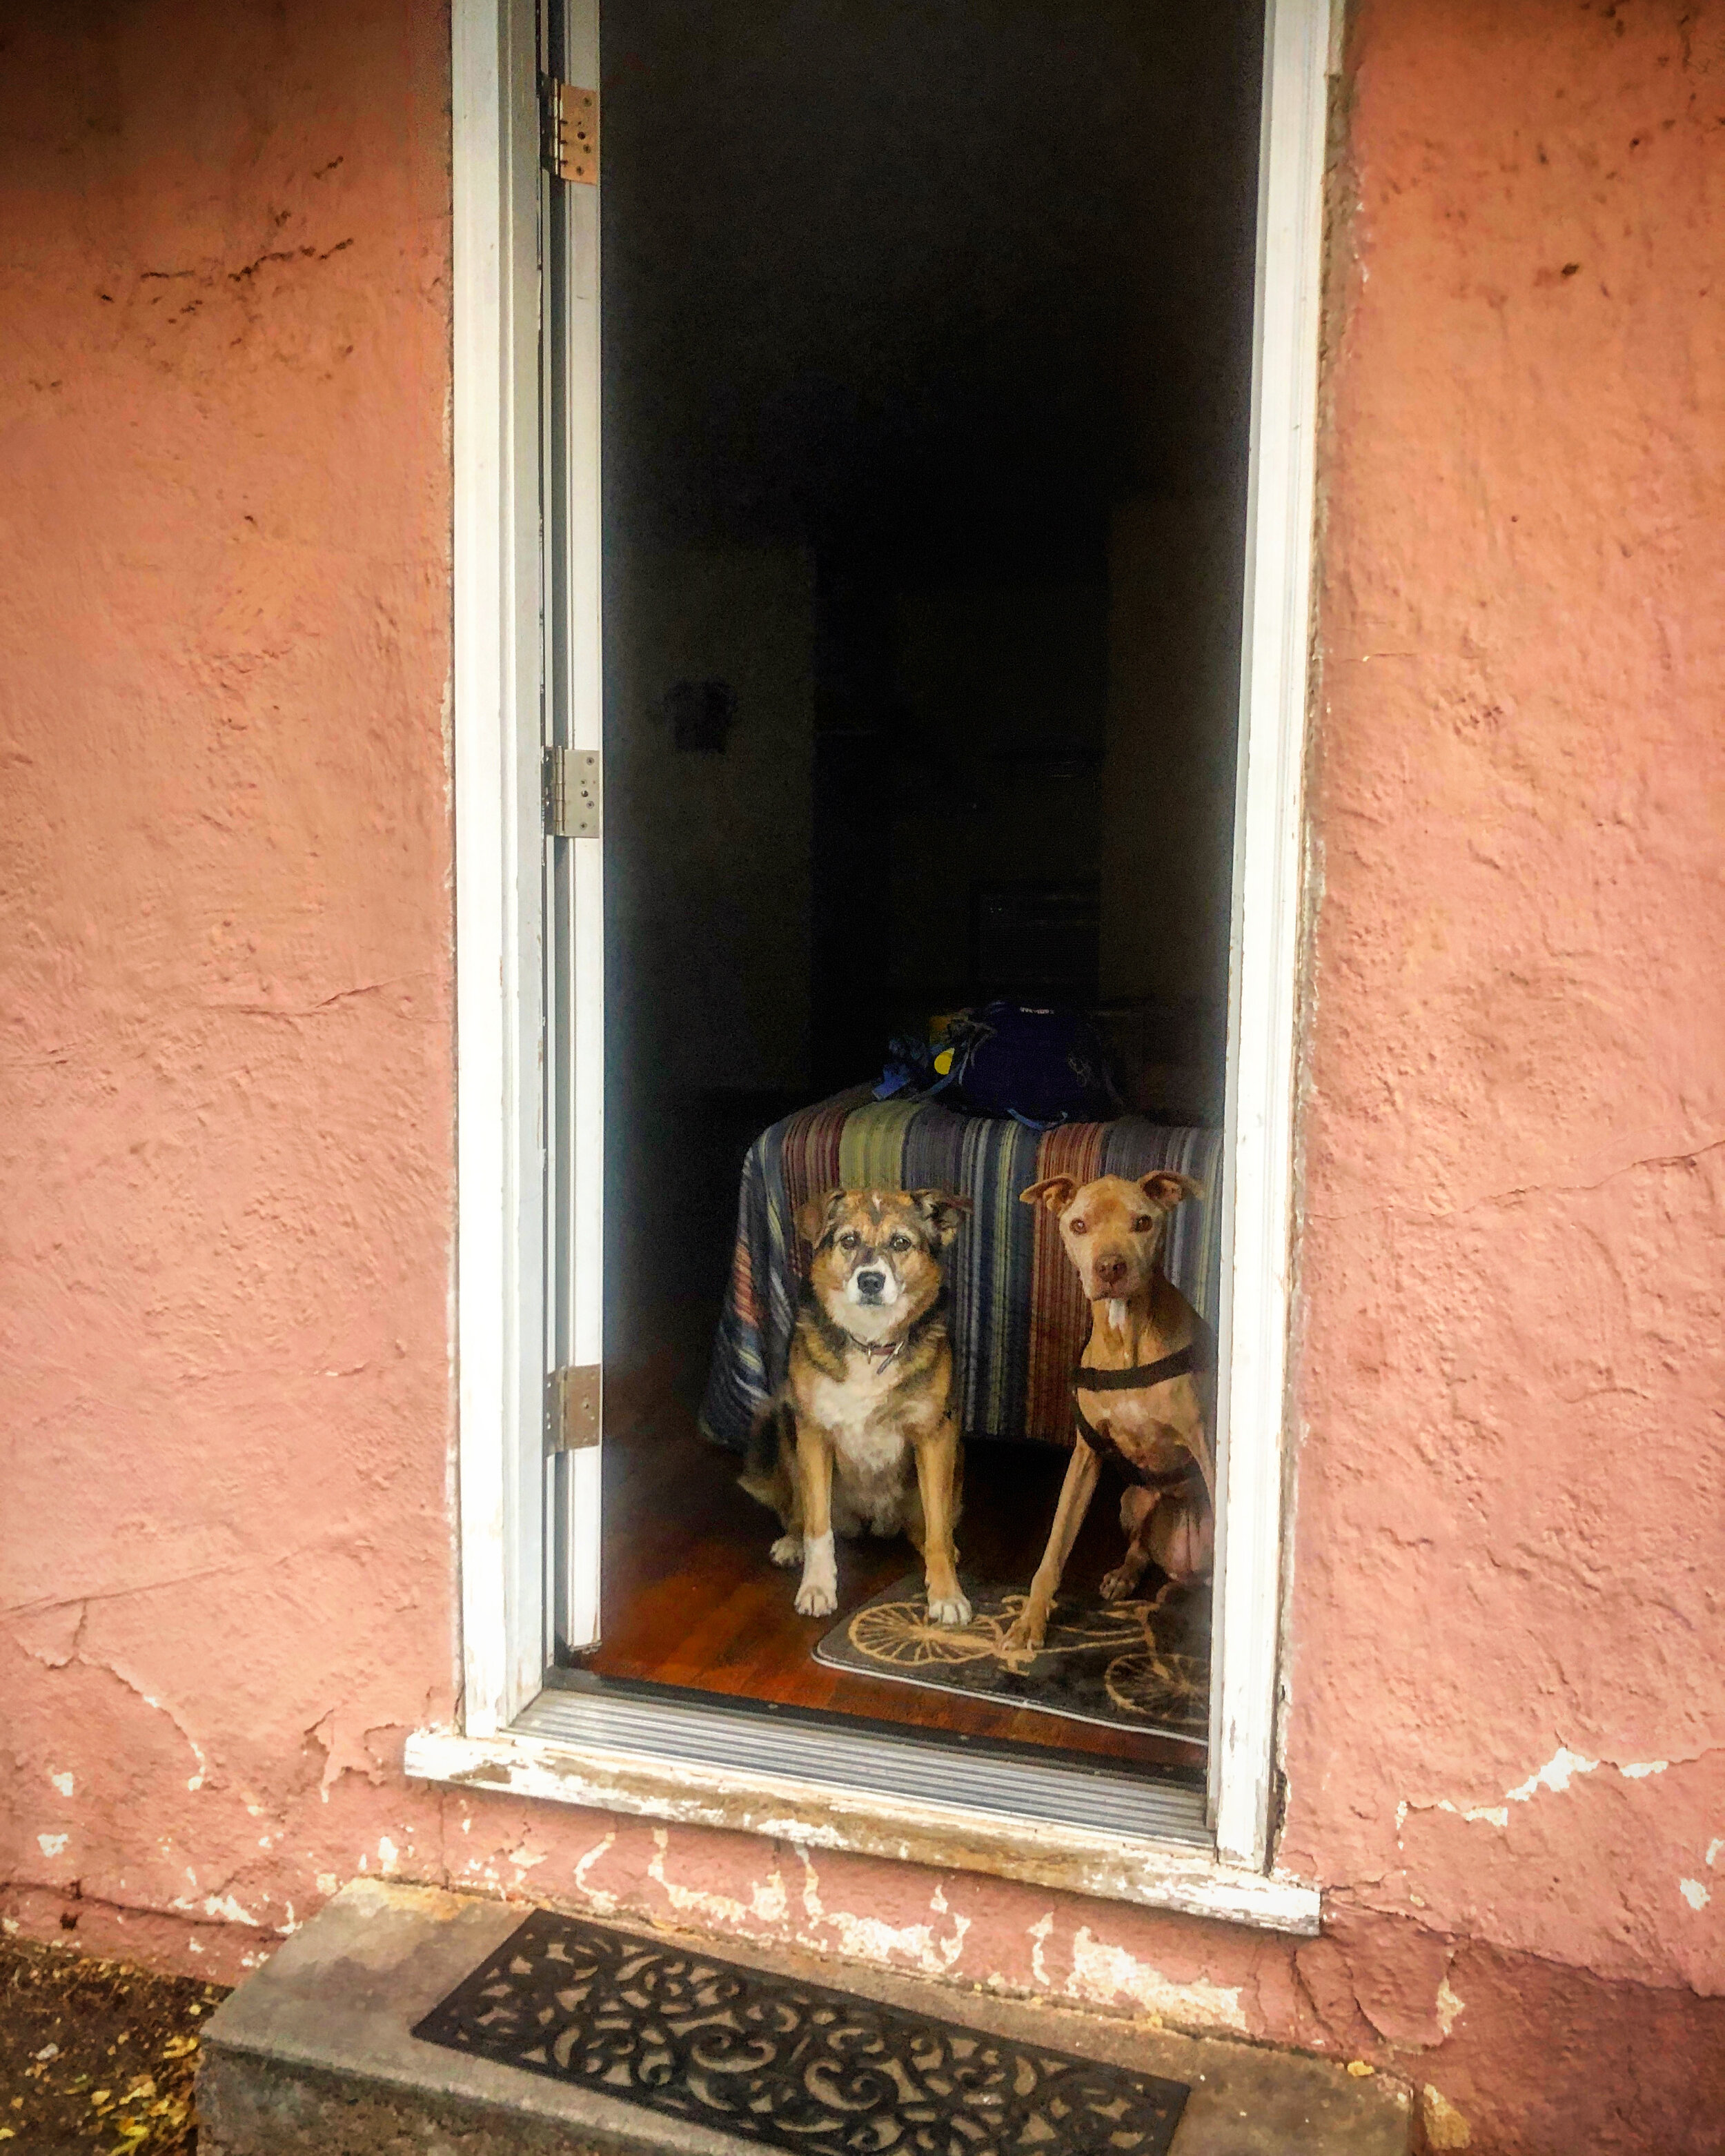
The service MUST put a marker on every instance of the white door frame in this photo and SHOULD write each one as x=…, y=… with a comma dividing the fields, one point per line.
x=573, y=719
x=499, y=983
x=502, y=1140
x=1301, y=50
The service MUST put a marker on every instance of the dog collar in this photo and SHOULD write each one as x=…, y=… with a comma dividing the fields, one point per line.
x=875, y=1350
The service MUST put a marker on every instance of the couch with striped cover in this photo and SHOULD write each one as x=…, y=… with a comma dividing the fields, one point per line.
x=1018, y=1318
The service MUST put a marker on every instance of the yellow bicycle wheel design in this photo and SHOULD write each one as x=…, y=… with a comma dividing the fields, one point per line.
x=1153, y=1683
x=904, y=1635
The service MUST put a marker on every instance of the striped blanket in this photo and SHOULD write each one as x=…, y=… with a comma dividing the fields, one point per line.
x=1018, y=1318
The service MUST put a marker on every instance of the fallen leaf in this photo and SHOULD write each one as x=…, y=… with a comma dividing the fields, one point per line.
x=1359, y=2069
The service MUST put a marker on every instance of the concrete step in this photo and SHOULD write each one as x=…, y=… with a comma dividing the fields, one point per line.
x=313, y=2054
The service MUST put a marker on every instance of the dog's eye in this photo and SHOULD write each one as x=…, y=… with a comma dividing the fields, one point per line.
x=850, y=1239
x=1142, y=1225
x=1079, y=1227
x=899, y=1243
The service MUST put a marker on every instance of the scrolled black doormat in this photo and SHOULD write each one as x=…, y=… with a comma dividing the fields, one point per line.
x=1143, y=1665
x=768, y=2059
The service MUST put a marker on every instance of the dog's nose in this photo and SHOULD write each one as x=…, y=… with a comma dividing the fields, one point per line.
x=870, y=1283
x=1111, y=1271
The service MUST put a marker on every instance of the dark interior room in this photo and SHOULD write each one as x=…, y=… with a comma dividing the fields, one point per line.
x=926, y=372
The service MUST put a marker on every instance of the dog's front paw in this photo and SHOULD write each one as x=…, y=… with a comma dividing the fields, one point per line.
x=819, y=1594
x=787, y=1550
x=953, y=1609
x=1023, y=1637
x=1117, y=1584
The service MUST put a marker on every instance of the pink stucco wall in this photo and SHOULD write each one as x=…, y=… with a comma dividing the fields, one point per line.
x=225, y=991
x=224, y=950
x=1506, y=1624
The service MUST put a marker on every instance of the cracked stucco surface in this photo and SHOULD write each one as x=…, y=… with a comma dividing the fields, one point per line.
x=225, y=1021
x=1507, y=1613
x=225, y=1001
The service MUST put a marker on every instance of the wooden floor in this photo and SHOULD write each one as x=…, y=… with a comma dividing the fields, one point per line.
x=690, y=1598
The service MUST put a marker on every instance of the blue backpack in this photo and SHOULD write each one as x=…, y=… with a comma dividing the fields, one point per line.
x=1040, y=1066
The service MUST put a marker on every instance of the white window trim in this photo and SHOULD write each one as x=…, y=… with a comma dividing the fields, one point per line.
x=498, y=852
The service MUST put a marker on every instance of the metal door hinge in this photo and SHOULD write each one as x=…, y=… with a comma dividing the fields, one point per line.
x=574, y=795
x=569, y=127
x=571, y=1408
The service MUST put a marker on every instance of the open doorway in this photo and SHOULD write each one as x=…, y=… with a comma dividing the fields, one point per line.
x=927, y=374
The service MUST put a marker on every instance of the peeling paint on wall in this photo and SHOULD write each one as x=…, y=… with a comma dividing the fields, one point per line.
x=767, y=1904
x=1445, y=2126
x=1107, y=1975
x=224, y=996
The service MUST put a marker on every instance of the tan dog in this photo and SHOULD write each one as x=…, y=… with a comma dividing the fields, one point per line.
x=1149, y=1405
x=861, y=1432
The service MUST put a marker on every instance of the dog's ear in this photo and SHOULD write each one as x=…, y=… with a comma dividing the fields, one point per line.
x=815, y=1215
x=944, y=1211
x=1167, y=1187
x=1057, y=1193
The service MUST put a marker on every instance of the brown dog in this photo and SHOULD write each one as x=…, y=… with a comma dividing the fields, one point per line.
x=861, y=1432
x=1149, y=1409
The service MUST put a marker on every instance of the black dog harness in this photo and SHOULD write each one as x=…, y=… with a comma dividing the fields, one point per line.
x=1198, y=1355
